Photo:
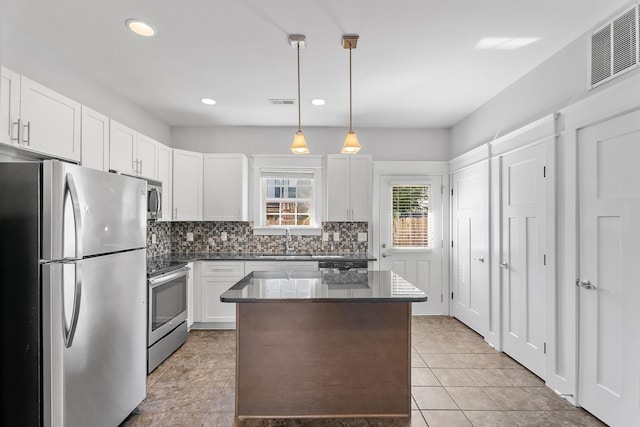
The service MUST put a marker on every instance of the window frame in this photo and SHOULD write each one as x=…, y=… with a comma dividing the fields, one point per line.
x=266, y=166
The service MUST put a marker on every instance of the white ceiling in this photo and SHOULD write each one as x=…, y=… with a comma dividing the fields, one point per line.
x=415, y=65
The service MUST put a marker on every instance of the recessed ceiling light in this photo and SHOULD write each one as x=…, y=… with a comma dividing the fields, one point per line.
x=505, y=43
x=318, y=101
x=140, y=27
x=208, y=101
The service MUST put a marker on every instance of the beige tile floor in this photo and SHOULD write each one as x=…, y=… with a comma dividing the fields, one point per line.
x=457, y=380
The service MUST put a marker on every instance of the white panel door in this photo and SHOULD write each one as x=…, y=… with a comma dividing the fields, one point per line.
x=165, y=175
x=609, y=191
x=522, y=272
x=146, y=152
x=122, y=148
x=338, y=187
x=50, y=121
x=420, y=265
x=360, y=188
x=187, y=185
x=470, y=252
x=95, y=140
x=9, y=107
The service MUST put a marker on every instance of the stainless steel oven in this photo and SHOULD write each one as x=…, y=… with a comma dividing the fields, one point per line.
x=167, y=304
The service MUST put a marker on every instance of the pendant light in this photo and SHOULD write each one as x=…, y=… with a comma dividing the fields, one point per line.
x=351, y=144
x=299, y=145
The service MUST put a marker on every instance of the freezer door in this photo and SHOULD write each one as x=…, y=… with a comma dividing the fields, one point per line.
x=94, y=339
x=88, y=212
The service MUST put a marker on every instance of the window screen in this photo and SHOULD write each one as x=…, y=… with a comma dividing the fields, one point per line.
x=411, y=205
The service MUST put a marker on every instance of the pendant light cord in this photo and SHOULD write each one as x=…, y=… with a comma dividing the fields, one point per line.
x=350, y=94
x=299, y=128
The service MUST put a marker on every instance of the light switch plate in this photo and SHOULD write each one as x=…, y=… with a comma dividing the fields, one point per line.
x=153, y=238
x=325, y=236
x=336, y=236
x=223, y=236
x=189, y=237
x=362, y=237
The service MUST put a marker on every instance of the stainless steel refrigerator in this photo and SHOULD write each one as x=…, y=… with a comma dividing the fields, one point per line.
x=73, y=295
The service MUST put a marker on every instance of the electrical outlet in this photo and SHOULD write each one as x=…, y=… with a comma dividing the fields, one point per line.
x=223, y=236
x=189, y=237
x=362, y=237
x=336, y=236
x=325, y=236
x=153, y=238
x=210, y=240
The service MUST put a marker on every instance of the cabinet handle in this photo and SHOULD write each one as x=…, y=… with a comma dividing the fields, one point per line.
x=140, y=166
x=135, y=166
x=17, y=138
x=28, y=128
x=176, y=213
x=351, y=214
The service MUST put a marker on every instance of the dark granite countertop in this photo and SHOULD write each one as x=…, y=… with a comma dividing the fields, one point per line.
x=317, y=286
x=249, y=256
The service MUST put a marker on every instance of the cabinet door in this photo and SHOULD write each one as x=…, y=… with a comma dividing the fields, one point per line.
x=213, y=309
x=9, y=107
x=50, y=121
x=95, y=140
x=225, y=187
x=360, y=188
x=165, y=172
x=187, y=185
x=122, y=148
x=146, y=149
x=190, y=289
x=338, y=206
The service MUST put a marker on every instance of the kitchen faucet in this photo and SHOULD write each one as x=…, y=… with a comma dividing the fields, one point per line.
x=287, y=240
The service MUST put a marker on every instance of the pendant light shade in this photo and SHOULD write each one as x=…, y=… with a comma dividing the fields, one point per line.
x=351, y=144
x=299, y=145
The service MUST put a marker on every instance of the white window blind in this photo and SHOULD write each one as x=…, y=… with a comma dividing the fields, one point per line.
x=410, y=219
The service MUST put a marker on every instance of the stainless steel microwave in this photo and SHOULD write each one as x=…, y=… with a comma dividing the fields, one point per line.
x=154, y=199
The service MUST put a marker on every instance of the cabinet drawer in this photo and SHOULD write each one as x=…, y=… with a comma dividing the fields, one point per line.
x=251, y=266
x=300, y=265
x=223, y=269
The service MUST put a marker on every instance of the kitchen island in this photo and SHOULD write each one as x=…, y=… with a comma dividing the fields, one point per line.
x=322, y=344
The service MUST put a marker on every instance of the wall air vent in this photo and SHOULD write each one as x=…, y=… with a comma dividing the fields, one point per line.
x=614, y=47
x=282, y=101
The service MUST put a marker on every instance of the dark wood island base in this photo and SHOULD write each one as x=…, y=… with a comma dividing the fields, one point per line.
x=314, y=344
x=323, y=359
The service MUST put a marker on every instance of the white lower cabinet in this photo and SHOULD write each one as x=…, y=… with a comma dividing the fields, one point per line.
x=213, y=278
x=190, y=287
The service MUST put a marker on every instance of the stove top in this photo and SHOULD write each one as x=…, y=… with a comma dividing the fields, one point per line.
x=156, y=267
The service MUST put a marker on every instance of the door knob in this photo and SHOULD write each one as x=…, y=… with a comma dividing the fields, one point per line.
x=481, y=259
x=504, y=265
x=587, y=284
x=384, y=255
x=384, y=245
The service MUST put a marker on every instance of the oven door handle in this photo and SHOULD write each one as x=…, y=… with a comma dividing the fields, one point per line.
x=157, y=281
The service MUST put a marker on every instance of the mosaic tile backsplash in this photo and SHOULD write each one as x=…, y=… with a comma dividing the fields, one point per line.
x=172, y=237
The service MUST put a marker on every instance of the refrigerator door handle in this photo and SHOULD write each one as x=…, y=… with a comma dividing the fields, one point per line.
x=75, y=203
x=70, y=331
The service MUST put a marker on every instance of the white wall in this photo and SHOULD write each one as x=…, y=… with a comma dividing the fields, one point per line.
x=382, y=143
x=556, y=83
x=67, y=76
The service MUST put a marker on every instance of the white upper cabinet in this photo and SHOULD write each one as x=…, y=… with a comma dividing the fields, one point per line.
x=36, y=118
x=122, y=149
x=165, y=175
x=187, y=185
x=348, y=187
x=226, y=186
x=131, y=152
x=9, y=107
x=95, y=140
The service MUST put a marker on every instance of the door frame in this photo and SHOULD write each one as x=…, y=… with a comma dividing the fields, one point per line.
x=412, y=168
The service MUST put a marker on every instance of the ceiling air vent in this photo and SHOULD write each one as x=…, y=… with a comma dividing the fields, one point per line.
x=614, y=47
x=282, y=101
